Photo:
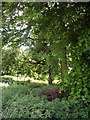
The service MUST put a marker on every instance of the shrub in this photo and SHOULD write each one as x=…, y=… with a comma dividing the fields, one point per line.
x=52, y=93
x=21, y=105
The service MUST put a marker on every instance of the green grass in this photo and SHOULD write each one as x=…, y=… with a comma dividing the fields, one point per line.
x=9, y=80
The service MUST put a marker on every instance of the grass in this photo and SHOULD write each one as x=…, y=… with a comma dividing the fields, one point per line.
x=7, y=80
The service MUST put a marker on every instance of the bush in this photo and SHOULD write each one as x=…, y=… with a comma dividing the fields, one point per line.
x=21, y=105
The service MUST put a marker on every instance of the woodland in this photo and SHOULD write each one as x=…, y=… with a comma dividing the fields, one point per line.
x=46, y=60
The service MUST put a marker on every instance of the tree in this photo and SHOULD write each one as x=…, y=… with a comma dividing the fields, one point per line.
x=57, y=35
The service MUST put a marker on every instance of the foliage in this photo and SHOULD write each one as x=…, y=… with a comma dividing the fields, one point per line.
x=78, y=78
x=49, y=41
x=19, y=104
x=45, y=31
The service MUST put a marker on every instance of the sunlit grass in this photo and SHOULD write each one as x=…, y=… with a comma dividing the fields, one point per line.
x=4, y=84
x=24, y=79
x=7, y=78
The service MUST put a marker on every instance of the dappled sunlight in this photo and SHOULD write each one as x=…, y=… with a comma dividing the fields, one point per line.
x=24, y=79
x=15, y=78
x=56, y=81
x=4, y=84
x=39, y=81
x=45, y=46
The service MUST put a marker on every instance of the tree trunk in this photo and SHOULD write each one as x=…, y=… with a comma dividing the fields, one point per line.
x=50, y=80
x=63, y=64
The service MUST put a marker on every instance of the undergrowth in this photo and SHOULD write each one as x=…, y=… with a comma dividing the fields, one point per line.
x=22, y=101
